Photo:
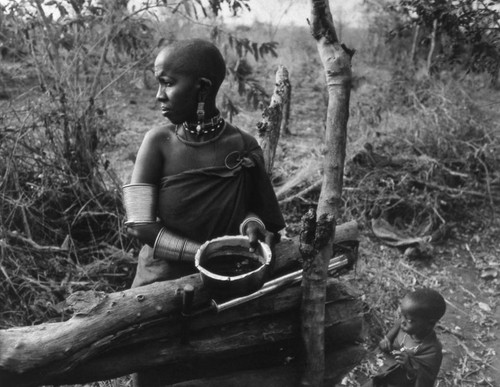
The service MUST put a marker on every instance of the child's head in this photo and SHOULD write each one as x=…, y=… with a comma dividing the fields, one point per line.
x=421, y=310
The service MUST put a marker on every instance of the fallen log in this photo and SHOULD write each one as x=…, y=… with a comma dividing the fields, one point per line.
x=119, y=333
x=339, y=361
x=242, y=344
x=266, y=329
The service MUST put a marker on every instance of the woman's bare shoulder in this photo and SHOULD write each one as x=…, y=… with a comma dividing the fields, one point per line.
x=161, y=133
x=249, y=141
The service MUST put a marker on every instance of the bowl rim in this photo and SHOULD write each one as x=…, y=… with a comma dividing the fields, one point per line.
x=265, y=249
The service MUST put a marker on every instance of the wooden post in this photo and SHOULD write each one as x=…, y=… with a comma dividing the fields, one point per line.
x=314, y=237
x=269, y=126
x=317, y=233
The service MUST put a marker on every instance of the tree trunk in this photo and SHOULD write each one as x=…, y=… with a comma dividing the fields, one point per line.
x=314, y=237
x=269, y=126
x=336, y=59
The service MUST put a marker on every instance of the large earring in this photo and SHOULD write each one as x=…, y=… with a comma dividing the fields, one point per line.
x=200, y=112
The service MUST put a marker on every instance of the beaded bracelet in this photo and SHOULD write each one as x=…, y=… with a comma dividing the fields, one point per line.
x=140, y=202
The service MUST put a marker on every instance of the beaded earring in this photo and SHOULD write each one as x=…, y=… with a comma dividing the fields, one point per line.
x=200, y=112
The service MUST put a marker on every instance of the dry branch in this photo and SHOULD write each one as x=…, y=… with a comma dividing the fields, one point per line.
x=32, y=244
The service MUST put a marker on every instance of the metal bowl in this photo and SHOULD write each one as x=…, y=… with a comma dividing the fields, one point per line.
x=229, y=269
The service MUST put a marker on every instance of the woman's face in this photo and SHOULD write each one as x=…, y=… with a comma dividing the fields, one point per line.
x=177, y=92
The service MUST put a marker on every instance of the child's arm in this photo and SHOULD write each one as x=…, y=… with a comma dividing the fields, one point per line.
x=386, y=342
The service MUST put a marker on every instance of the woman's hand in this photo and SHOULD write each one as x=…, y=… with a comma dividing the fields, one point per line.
x=146, y=233
x=256, y=233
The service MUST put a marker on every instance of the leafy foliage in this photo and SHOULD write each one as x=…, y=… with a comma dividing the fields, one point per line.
x=468, y=32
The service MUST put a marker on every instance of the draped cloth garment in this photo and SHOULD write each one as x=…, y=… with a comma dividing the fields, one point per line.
x=210, y=202
x=425, y=361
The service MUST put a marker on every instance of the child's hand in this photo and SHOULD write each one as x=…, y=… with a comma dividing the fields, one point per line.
x=385, y=344
x=402, y=358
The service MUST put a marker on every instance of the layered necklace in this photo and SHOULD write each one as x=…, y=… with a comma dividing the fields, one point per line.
x=207, y=127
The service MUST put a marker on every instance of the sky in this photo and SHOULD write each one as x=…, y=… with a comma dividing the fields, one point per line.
x=282, y=12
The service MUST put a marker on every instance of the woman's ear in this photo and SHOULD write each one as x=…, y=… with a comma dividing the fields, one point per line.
x=205, y=86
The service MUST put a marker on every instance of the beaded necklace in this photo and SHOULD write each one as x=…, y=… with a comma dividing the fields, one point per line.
x=411, y=349
x=209, y=126
x=201, y=143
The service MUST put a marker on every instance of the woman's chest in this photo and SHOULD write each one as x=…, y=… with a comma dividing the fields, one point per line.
x=183, y=156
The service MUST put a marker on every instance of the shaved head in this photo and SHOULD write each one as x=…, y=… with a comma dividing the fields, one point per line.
x=427, y=303
x=196, y=58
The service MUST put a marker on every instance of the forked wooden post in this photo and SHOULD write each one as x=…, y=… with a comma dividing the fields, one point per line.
x=270, y=125
x=318, y=232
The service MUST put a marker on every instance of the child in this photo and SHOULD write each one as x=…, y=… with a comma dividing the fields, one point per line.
x=196, y=178
x=414, y=353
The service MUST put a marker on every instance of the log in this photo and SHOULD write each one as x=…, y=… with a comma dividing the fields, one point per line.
x=267, y=329
x=339, y=361
x=119, y=324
